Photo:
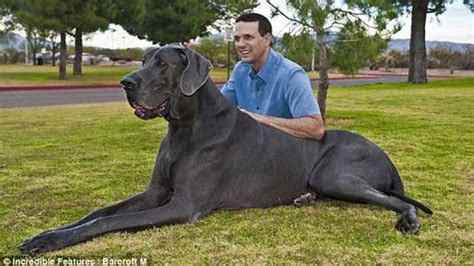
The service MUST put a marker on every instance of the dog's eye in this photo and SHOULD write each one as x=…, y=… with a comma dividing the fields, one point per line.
x=161, y=63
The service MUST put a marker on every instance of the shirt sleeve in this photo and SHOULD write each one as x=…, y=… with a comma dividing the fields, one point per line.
x=228, y=90
x=300, y=97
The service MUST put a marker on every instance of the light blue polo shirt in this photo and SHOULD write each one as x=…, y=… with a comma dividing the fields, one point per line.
x=281, y=88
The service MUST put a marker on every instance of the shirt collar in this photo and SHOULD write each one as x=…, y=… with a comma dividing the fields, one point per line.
x=266, y=71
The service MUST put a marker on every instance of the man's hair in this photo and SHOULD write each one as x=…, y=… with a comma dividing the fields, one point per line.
x=264, y=25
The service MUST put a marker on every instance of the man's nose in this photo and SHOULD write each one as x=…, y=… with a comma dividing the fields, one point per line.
x=240, y=43
x=128, y=83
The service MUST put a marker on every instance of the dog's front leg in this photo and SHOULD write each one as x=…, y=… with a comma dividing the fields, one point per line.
x=150, y=199
x=176, y=211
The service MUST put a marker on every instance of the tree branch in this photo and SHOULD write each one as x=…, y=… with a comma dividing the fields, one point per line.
x=438, y=7
x=345, y=41
x=346, y=11
x=288, y=17
x=355, y=15
x=332, y=25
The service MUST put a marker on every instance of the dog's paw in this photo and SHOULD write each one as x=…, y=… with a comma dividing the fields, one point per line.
x=305, y=199
x=408, y=223
x=44, y=242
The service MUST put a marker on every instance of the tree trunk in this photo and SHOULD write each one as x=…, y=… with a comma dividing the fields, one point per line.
x=35, y=62
x=78, y=53
x=29, y=38
x=53, y=50
x=417, y=68
x=62, y=56
x=323, y=73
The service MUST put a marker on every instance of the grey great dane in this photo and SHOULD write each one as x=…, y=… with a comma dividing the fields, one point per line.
x=215, y=157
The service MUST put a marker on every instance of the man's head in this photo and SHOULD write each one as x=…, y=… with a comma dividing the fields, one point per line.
x=253, y=37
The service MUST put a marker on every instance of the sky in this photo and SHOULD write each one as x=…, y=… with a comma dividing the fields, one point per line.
x=454, y=25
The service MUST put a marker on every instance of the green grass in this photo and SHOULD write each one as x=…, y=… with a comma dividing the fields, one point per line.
x=59, y=163
x=18, y=75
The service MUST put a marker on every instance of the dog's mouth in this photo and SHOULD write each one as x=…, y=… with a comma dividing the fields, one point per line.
x=145, y=113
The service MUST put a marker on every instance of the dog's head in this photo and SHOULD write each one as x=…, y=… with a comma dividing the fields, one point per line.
x=170, y=75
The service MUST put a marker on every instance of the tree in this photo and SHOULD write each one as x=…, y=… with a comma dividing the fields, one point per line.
x=10, y=55
x=53, y=46
x=23, y=16
x=401, y=59
x=46, y=15
x=298, y=48
x=213, y=48
x=355, y=48
x=181, y=20
x=442, y=55
x=325, y=15
x=34, y=37
x=466, y=59
x=87, y=16
x=418, y=60
x=66, y=17
x=50, y=17
x=36, y=33
x=36, y=41
x=3, y=12
x=419, y=10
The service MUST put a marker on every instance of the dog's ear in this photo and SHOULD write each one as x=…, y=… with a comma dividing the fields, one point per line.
x=196, y=72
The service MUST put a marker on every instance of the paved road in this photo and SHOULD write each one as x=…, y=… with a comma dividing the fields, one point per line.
x=12, y=99
x=32, y=98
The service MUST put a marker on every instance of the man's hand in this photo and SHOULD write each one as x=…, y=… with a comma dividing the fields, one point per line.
x=310, y=127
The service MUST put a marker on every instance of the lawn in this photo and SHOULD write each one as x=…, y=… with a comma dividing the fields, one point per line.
x=18, y=75
x=58, y=163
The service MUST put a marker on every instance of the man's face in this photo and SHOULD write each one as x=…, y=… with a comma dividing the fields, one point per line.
x=251, y=47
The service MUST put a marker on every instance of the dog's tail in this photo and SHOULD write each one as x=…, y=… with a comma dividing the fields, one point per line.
x=397, y=190
x=409, y=200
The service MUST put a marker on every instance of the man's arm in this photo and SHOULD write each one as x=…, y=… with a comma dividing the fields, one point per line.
x=311, y=127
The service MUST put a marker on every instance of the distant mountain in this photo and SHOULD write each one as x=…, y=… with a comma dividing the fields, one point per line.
x=404, y=45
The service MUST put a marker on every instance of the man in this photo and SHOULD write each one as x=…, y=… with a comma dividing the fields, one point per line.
x=267, y=86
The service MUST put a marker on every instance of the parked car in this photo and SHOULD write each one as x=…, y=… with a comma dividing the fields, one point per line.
x=86, y=57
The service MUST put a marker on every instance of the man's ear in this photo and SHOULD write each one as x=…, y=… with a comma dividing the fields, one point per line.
x=268, y=39
x=196, y=72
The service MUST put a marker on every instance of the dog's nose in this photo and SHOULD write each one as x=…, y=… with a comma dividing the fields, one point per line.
x=128, y=83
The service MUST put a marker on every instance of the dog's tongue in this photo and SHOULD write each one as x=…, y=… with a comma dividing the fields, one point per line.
x=144, y=113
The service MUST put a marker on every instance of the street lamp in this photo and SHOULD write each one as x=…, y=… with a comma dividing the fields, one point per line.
x=26, y=51
x=228, y=36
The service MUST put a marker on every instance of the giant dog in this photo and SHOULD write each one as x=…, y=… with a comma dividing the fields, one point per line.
x=216, y=157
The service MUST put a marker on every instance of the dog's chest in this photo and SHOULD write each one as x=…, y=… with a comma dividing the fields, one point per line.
x=174, y=148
